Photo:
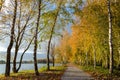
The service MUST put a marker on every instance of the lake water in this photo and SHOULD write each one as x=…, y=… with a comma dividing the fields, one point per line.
x=23, y=67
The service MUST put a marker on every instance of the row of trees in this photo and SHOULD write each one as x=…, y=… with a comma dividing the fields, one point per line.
x=95, y=36
x=27, y=23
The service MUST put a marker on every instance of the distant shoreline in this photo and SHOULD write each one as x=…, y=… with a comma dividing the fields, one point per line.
x=23, y=63
x=27, y=62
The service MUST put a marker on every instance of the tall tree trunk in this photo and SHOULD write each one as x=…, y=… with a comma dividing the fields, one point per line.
x=18, y=43
x=110, y=38
x=23, y=54
x=52, y=30
x=48, y=52
x=53, y=59
x=94, y=60
x=86, y=58
x=36, y=40
x=7, y=71
x=14, y=60
x=53, y=54
x=94, y=53
x=119, y=58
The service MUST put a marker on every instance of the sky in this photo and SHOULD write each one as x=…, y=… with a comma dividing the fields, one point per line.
x=4, y=44
x=2, y=48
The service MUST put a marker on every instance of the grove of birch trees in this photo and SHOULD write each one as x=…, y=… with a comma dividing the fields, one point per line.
x=95, y=36
x=25, y=24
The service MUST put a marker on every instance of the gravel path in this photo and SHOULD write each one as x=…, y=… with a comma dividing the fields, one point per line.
x=74, y=73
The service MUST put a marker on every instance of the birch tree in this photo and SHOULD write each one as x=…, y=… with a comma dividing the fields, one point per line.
x=36, y=38
x=7, y=70
x=110, y=37
x=52, y=53
x=22, y=29
x=51, y=34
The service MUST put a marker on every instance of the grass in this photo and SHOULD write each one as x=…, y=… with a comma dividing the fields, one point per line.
x=55, y=73
x=101, y=73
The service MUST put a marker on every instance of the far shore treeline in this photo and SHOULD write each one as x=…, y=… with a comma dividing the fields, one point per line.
x=24, y=62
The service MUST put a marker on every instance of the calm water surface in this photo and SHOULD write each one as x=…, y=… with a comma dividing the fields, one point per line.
x=23, y=67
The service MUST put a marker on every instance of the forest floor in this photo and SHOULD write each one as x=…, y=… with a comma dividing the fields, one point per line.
x=54, y=74
x=71, y=72
x=101, y=73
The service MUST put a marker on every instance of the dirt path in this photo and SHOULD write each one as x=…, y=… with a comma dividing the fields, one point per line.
x=74, y=73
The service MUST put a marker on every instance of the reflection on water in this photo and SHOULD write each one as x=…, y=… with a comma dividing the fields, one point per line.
x=23, y=67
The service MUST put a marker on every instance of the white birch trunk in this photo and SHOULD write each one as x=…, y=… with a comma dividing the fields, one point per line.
x=110, y=38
